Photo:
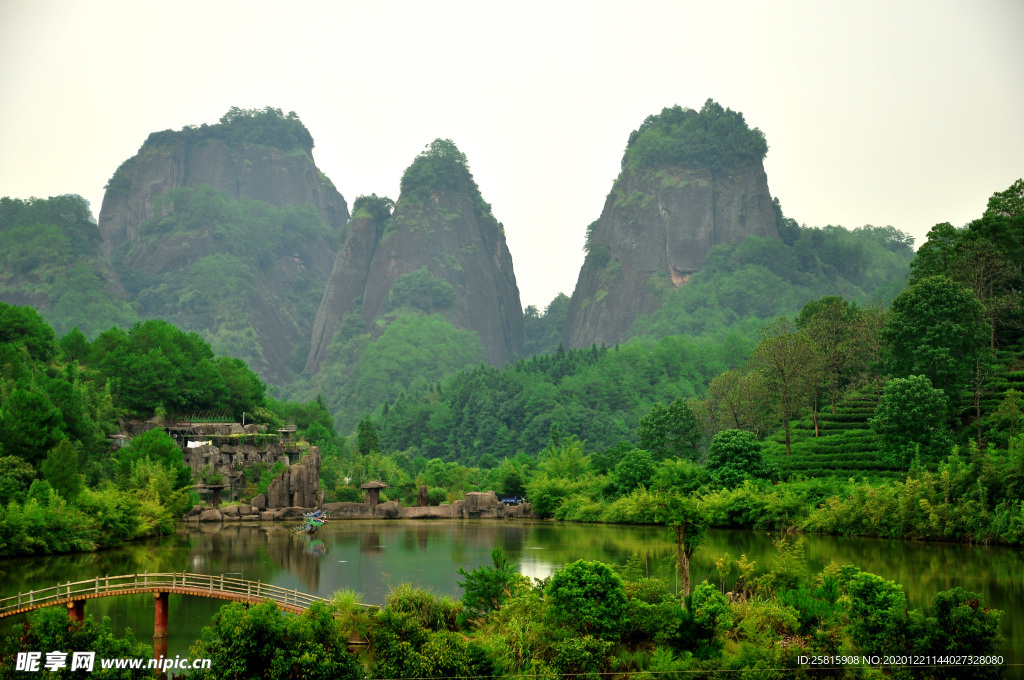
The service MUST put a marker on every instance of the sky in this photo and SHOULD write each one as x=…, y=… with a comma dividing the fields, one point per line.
x=887, y=113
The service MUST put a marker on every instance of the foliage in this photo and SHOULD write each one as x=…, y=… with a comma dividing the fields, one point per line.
x=683, y=515
x=707, y=615
x=588, y=597
x=431, y=611
x=159, y=447
x=441, y=168
x=735, y=455
x=261, y=641
x=264, y=127
x=936, y=329
x=669, y=432
x=367, y=440
x=911, y=420
x=154, y=364
x=486, y=588
x=50, y=252
x=422, y=290
x=61, y=469
x=50, y=629
x=743, y=285
x=598, y=394
x=413, y=353
x=15, y=478
x=373, y=207
x=878, y=614
x=957, y=623
x=542, y=332
x=23, y=327
x=635, y=469
x=713, y=137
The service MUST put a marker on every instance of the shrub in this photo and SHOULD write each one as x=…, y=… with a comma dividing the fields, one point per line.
x=487, y=587
x=735, y=455
x=427, y=609
x=588, y=597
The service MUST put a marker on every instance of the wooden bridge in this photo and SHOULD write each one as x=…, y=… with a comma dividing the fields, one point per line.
x=221, y=587
x=74, y=595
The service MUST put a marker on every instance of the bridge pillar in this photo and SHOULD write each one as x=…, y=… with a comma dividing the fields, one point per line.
x=160, y=616
x=76, y=610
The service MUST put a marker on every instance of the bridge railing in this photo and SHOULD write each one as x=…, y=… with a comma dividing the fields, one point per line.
x=209, y=583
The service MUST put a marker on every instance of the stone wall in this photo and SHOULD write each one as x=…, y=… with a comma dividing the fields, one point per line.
x=475, y=506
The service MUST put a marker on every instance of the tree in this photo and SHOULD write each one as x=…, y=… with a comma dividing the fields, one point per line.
x=245, y=390
x=588, y=597
x=878, y=614
x=682, y=514
x=275, y=645
x=957, y=623
x=74, y=346
x=936, y=255
x=671, y=432
x=367, y=440
x=936, y=328
x=25, y=327
x=790, y=366
x=740, y=399
x=735, y=455
x=15, y=478
x=829, y=324
x=51, y=629
x=30, y=425
x=159, y=447
x=485, y=588
x=61, y=469
x=635, y=469
x=911, y=418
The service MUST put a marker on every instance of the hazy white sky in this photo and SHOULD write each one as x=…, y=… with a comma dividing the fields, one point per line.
x=901, y=113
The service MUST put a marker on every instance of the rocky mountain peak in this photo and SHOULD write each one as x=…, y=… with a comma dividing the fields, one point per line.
x=439, y=251
x=690, y=180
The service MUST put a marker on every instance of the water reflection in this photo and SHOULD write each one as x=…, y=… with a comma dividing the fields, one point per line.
x=370, y=557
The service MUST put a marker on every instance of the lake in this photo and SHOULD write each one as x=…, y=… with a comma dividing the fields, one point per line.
x=372, y=556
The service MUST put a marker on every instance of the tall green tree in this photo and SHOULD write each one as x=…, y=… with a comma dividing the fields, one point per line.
x=670, y=432
x=829, y=323
x=735, y=455
x=910, y=418
x=791, y=367
x=689, y=524
x=936, y=328
x=61, y=469
x=367, y=440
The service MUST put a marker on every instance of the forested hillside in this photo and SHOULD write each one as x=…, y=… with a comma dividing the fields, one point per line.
x=903, y=421
x=50, y=258
x=706, y=327
x=63, y=488
x=421, y=288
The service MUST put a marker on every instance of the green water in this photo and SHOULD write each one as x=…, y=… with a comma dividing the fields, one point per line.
x=372, y=556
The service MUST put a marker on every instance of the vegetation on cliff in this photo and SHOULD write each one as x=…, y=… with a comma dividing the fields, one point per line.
x=200, y=260
x=264, y=127
x=714, y=137
x=50, y=257
x=442, y=168
x=744, y=285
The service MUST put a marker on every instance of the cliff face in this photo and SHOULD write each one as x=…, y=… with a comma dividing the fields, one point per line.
x=276, y=176
x=690, y=181
x=446, y=253
x=656, y=230
x=228, y=230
